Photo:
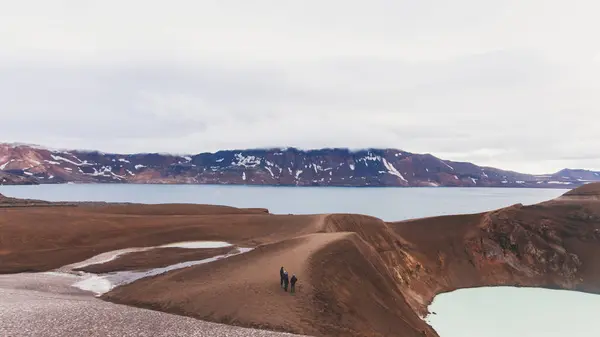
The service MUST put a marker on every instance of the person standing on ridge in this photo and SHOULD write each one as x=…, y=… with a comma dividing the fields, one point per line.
x=281, y=271
x=286, y=280
x=293, y=284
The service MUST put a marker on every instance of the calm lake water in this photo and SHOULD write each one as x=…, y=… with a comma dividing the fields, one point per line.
x=518, y=312
x=481, y=312
x=386, y=203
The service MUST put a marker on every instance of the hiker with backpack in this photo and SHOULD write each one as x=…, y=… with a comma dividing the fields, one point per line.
x=286, y=280
x=293, y=283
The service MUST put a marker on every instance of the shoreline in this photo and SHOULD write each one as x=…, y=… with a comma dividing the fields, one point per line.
x=516, y=186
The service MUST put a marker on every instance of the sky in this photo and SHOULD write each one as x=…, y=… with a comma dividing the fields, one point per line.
x=511, y=84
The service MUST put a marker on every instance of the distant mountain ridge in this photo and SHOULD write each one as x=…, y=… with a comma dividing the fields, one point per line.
x=32, y=164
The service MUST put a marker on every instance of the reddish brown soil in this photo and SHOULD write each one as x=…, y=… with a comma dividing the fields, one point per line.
x=244, y=290
x=41, y=239
x=155, y=258
x=553, y=244
x=358, y=276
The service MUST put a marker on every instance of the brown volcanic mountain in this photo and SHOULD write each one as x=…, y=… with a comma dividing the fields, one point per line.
x=324, y=167
x=359, y=276
x=15, y=179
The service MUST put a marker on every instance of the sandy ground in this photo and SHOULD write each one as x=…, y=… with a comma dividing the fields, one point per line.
x=45, y=305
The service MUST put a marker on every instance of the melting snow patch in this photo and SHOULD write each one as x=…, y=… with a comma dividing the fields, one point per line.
x=122, y=160
x=352, y=167
x=560, y=182
x=4, y=165
x=244, y=176
x=219, y=160
x=249, y=161
x=298, y=173
x=95, y=284
x=270, y=171
x=139, y=166
x=392, y=170
x=371, y=157
x=103, y=283
x=197, y=244
x=443, y=162
x=59, y=158
x=52, y=162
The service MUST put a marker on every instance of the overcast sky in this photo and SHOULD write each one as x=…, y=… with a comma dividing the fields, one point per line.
x=512, y=84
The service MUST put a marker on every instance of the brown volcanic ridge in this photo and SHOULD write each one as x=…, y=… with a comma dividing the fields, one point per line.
x=358, y=275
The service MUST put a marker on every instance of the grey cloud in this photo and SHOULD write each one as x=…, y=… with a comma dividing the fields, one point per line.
x=493, y=85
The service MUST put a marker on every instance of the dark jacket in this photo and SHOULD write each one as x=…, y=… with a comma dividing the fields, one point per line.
x=286, y=278
x=293, y=280
x=281, y=272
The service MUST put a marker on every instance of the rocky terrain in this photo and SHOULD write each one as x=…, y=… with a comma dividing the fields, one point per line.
x=359, y=275
x=27, y=164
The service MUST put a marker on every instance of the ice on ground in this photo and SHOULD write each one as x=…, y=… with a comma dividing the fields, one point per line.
x=104, y=257
x=56, y=273
x=109, y=256
x=197, y=244
x=96, y=284
x=100, y=284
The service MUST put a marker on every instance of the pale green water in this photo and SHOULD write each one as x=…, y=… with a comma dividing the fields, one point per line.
x=518, y=312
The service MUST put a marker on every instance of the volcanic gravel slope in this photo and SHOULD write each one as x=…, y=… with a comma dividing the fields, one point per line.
x=358, y=275
x=41, y=305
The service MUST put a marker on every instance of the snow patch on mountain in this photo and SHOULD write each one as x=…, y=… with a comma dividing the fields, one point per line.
x=392, y=170
x=245, y=161
x=60, y=158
